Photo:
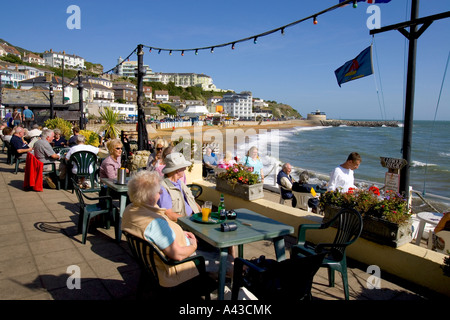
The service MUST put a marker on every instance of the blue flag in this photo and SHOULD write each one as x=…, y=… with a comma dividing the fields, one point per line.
x=357, y=68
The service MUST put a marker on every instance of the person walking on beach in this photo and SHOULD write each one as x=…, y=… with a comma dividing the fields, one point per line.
x=342, y=177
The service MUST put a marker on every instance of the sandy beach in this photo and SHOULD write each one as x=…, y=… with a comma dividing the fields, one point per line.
x=245, y=125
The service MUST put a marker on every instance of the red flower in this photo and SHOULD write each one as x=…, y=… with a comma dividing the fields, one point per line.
x=375, y=190
x=351, y=190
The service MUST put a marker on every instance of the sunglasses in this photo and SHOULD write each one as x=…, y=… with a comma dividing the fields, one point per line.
x=159, y=149
x=118, y=148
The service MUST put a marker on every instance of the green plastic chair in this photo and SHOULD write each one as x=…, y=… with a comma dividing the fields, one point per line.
x=16, y=158
x=145, y=253
x=9, y=150
x=53, y=173
x=104, y=207
x=349, y=225
x=83, y=160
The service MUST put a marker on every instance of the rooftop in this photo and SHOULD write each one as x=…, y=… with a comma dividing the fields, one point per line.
x=40, y=246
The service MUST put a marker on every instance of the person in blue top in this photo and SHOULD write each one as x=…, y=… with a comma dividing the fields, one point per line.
x=210, y=161
x=28, y=117
x=252, y=160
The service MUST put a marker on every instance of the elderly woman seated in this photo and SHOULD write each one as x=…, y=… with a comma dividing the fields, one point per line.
x=176, y=197
x=113, y=162
x=143, y=218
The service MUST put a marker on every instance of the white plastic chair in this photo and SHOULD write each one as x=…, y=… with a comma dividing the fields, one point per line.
x=302, y=200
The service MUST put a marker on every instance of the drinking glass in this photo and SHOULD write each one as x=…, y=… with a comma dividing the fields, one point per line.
x=206, y=210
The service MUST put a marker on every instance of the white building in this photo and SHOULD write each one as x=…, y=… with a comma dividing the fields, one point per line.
x=128, y=69
x=33, y=58
x=55, y=59
x=162, y=95
x=30, y=72
x=126, y=111
x=260, y=103
x=187, y=80
x=11, y=77
x=194, y=111
x=237, y=104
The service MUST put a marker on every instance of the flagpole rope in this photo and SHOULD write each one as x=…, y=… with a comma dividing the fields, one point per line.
x=382, y=106
x=434, y=121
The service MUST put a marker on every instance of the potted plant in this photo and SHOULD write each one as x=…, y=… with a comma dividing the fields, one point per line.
x=386, y=217
x=240, y=181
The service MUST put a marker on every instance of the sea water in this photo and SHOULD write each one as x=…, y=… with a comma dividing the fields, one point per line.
x=320, y=149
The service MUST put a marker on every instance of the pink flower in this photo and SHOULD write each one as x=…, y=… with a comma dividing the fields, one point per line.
x=235, y=170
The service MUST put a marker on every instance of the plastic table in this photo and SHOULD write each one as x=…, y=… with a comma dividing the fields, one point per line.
x=432, y=218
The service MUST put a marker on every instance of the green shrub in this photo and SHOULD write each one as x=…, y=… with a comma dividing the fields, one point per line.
x=91, y=137
x=61, y=124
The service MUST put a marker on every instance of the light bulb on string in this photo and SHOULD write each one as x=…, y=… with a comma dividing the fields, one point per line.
x=150, y=50
x=282, y=31
x=355, y=4
x=182, y=53
x=159, y=51
x=212, y=50
x=170, y=52
x=255, y=40
x=315, y=20
x=196, y=52
x=232, y=46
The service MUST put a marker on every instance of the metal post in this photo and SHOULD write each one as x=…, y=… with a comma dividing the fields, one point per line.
x=51, y=99
x=141, y=125
x=64, y=58
x=80, y=94
x=409, y=102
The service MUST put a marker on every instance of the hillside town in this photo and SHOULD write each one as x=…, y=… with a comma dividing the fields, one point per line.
x=32, y=84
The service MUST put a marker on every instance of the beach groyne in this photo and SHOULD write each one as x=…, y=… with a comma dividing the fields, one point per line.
x=359, y=123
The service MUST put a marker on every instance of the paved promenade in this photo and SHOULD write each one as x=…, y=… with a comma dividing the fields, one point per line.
x=41, y=248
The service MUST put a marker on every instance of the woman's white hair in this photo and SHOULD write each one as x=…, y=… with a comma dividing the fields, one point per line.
x=144, y=187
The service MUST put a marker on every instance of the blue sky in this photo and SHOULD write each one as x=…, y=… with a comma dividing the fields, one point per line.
x=296, y=68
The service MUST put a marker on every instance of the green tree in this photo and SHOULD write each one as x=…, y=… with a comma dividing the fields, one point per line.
x=167, y=109
x=11, y=58
x=111, y=118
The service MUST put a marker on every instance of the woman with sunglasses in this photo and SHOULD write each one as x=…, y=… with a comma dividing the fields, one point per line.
x=155, y=160
x=112, y=163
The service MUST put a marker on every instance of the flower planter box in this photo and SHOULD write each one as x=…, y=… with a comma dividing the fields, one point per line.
x=245, y=191
x=378, y=230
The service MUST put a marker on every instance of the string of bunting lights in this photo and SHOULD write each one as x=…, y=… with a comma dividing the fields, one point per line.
x=233, y=43
x=254, y=37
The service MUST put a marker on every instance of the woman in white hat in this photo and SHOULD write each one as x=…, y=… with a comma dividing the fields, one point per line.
x=176, y=197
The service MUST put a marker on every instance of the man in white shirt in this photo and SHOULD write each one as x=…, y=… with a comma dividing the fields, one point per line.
x=342, y=177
